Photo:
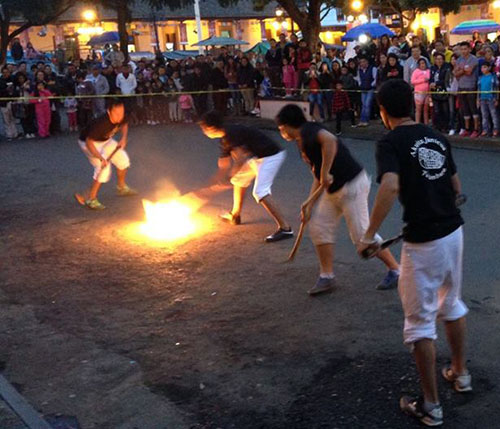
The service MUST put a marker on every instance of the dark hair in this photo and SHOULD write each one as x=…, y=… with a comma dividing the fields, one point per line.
x=438, y=54
x=464, y=43
x=391, y=55
x=213, y=119
x=291, y=115
x=487, y=64
x=422, y=59
x=114, y=102
x=396, y=106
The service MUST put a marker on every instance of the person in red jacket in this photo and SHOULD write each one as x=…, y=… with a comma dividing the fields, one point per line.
x=341, y=104
x=304, y=59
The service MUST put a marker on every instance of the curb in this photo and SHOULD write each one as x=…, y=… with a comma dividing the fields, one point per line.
x=375, y=132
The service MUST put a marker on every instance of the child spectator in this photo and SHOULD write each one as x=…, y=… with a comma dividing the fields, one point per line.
x=312, y=82
x=341, y=104
x=172, y=97
x=186, y=104
x=71, y=106
x=42, y=109
x=350, y=85
x=289, y=77
x=487, y=101
x=420, y=81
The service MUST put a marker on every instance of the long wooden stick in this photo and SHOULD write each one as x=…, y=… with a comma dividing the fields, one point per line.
x=117, y=148
x=302, y=228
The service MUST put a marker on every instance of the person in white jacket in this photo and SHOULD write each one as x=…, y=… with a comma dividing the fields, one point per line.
x=127, y=83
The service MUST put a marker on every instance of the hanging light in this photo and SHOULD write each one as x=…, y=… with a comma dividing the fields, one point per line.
x=363, y=18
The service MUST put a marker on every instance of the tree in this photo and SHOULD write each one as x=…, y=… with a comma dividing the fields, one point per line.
x=408, y=9
x=29, y=13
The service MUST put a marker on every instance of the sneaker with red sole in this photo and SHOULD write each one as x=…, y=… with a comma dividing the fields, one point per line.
x=464, y=133
x=474, y=135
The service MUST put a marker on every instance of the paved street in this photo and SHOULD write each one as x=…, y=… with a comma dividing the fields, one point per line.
x=216, y=332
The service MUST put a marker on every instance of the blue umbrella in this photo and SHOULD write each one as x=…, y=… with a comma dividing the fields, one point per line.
x=373, y=30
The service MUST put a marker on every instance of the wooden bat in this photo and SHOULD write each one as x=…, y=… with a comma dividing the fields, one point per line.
x=302, y=228
x=370, y=252
x=117, y=148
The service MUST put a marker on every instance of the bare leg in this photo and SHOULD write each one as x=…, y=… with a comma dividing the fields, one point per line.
x=269, y=204
x=418, y=114
x=121, y=175
x=467, y=124
x=455, y=332
x=325, y=255
x=238, y=198
x=476, y=123
x=94, y=189
x=426, y=113
x=425, y=358
x=386, y=257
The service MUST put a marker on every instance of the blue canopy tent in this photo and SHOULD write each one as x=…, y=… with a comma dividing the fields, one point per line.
x=375, y=31
x=220, y=41
x=107, y=37
x=259, y=48
x=179, y=55
x=483, y=26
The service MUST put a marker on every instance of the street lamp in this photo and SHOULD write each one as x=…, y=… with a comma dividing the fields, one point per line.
x=89, y=15
x=350, y=18
x=357, y=5
x=363, y=18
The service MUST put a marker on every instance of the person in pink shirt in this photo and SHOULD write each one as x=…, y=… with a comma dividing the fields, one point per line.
x=420, y=81
x=42, y=109
x=186, y=103
x=289, y=77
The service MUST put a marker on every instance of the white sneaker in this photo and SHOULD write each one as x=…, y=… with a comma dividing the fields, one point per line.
x=452, y=133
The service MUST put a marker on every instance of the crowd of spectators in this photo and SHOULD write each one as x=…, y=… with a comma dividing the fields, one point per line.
x=337, y=83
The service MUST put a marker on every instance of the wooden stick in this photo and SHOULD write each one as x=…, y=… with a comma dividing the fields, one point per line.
x=117, y=148
x=296, y=246
x=298, y=241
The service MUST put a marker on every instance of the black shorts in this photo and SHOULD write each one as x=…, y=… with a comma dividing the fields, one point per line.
x=468, y=105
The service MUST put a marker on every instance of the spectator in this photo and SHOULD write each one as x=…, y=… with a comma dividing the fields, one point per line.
x=393, y=69
x=411, y=63
x=31, y=52
x=466, y=73
x=115, y=57
x=367, y=80
x=440, y=48
x=101, y=87
x=85, y=105
x=273, y=58
x=304, y=59
x=441, y=108
x=289, y=77
x=23, y=90
x=172, y=97
x=6, y=91
x=341, y=104
x=487, y=100
x=327, y=83
x=126, y=84
x=186, y=104
x=246, y=84
x=420, y=82
x=42, y=109
x=313, y=84
x=71, y=105
x=219, y=83
x=16, y=50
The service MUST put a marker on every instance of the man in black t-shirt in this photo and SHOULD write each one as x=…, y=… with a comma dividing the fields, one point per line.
x=96, y=141
x=415, y=162
x=247, y=155
x=340, y=187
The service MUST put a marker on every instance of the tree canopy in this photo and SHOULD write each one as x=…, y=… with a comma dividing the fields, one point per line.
x=29, y=13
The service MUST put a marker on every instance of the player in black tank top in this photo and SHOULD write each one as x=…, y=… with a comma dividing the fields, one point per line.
x=340, y=189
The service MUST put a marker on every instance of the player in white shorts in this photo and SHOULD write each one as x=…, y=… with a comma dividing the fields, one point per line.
x=97, y=142
x=415, y=163
x=247, y=155
x=345, y=192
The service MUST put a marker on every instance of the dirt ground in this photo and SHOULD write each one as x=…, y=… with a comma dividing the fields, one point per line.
x=216, y=332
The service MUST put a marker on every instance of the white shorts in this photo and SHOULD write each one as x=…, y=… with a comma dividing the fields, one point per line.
x=263, y=170
x=120, y=159
x=430, y=285
x=351, y=201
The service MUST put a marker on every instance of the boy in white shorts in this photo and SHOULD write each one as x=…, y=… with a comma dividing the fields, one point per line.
x=345, y=187
x=247, y=154
x=96, y=141
x=415, y=163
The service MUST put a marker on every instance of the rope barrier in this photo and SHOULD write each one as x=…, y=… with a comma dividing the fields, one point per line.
x=222, y=91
